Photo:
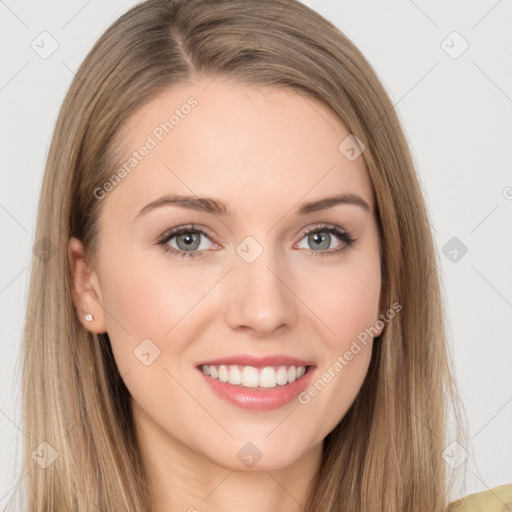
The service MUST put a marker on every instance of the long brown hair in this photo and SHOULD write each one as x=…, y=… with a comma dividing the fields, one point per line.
x=386, y=453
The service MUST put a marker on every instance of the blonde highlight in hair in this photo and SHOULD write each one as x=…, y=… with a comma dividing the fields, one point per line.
x=386, y=452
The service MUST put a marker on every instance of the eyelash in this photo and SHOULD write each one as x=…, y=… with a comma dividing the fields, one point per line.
x=344, y=235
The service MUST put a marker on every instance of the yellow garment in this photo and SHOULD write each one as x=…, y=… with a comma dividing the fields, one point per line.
x=498, y=499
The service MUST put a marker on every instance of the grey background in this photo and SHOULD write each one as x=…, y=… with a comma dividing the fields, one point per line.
x=456, y=111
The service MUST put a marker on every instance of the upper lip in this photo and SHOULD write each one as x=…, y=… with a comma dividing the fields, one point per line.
x=258, y=361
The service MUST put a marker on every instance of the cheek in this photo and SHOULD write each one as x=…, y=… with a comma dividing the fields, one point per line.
x=150, y=297
x=355, y=305
x=346, y=299
x=333, y=391
x=347, y=302
x=349, y=308
x=142, y=301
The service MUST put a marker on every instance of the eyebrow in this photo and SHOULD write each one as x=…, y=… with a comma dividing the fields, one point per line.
x=217, y=207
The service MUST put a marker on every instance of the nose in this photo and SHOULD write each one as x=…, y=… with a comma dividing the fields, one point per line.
x=261, y=295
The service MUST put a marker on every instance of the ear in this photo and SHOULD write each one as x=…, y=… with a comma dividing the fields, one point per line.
x=85, y=288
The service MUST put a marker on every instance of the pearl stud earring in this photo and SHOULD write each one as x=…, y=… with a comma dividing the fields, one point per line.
x=89, y=317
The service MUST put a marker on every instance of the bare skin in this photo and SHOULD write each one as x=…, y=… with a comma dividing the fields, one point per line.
x=263, y=152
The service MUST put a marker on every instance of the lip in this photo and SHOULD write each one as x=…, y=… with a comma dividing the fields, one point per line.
x=259, y=399
x=258, y=361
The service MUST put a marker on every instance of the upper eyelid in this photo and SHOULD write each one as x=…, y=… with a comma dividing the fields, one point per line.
x=319, y=226
x=203, y=230
x=173, y=232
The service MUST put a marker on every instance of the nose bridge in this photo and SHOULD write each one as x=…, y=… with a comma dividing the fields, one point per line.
x=260, y=297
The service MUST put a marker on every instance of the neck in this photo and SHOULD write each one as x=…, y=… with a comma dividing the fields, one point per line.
x=184, y=480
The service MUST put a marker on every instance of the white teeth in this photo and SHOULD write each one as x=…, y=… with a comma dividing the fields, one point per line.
x=235, y=375
x=268, y=377
x=282, y=376
x=223, y=374
x=251, y=377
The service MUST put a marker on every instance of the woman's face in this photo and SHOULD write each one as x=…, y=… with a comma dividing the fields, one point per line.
x=264, y=278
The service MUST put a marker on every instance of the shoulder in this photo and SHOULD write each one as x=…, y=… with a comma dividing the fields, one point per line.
x=498, y=499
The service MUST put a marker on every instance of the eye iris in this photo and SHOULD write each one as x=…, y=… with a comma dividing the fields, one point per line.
x=191, y=241
x=320, y=237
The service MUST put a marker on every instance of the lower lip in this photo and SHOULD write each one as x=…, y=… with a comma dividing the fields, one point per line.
x=259, y=399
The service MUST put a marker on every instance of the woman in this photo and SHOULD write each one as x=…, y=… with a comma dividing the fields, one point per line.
x=196, y=349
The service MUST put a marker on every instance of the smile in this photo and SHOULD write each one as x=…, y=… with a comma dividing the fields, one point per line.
x=258, y=389
x=252, y=377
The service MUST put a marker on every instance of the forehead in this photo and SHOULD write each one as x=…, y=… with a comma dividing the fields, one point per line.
x=252, y=146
